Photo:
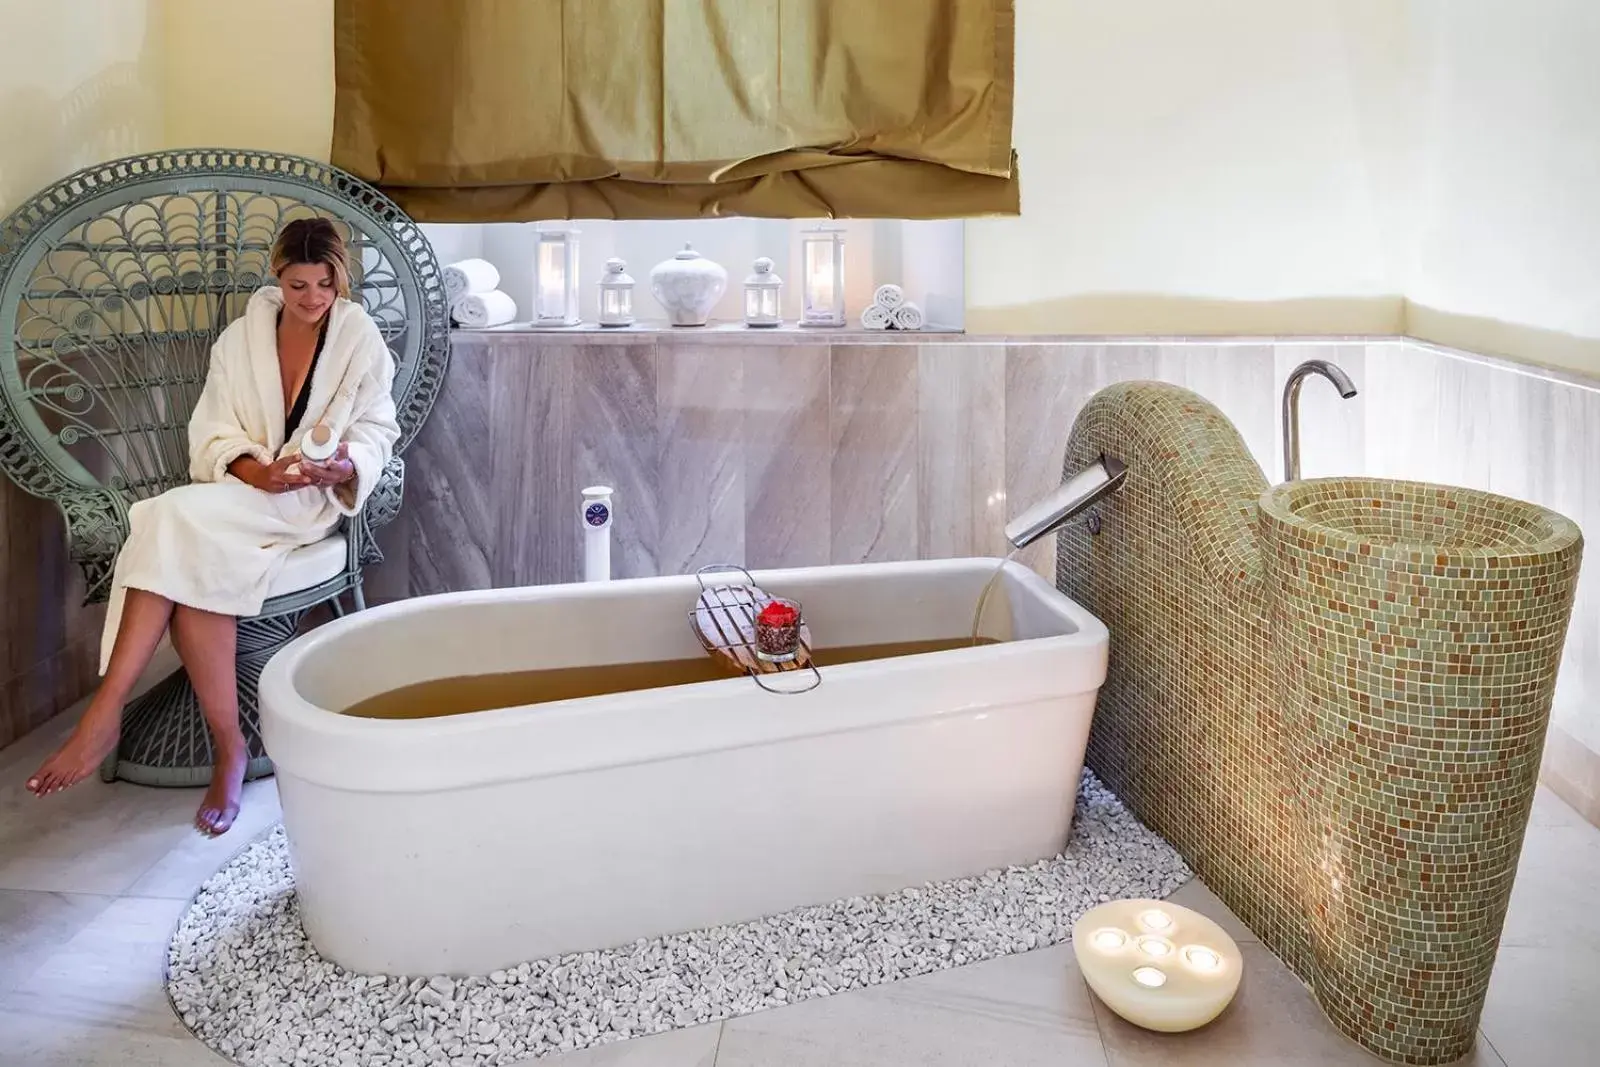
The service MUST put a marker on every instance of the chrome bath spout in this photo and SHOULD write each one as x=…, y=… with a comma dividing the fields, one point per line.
x=1291, y=408
x=1094, y=483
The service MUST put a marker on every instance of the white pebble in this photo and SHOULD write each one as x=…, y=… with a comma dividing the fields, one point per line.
x=244, y=977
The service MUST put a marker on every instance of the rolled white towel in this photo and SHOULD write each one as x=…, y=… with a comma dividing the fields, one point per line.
x=908, y=317
x=876, y=317
x=478, y=311
x=470, y=276
x=889, y=297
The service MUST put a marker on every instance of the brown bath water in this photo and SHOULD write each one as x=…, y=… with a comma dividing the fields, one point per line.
x=484, y=692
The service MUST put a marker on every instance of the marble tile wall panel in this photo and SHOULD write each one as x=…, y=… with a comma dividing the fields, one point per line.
x=615, y=442
x=961, y=452
x=530, y=431
x=1046, y=386
x=1463, y=438
x=50, y=641
x=700, y=433
x=1402, y=408
x=873, y=496
x=788, y=459
x=443, y=537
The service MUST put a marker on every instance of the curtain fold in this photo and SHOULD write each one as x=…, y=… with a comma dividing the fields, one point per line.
x=513, y=110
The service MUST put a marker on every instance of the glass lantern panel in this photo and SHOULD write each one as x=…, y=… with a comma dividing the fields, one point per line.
x=550, y=283
x=616, y=303
x=768, y=304
x=824, y=279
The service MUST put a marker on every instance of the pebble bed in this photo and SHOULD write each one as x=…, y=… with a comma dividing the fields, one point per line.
x=243, y=976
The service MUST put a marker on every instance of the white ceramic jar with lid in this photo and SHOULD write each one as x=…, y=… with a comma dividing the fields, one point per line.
x=688, y=286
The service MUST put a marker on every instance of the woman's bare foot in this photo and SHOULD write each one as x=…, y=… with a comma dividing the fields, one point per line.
x=220, y=806
x=91, y=742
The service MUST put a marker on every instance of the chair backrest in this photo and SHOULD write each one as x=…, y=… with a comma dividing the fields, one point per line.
x=115, y=282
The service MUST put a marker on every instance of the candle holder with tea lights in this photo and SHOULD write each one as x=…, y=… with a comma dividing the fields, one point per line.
x=1158, y=965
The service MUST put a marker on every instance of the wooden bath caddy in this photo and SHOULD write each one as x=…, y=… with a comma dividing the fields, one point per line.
x=724, y=619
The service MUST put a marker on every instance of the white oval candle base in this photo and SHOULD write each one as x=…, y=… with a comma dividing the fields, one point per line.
x=1158, y=965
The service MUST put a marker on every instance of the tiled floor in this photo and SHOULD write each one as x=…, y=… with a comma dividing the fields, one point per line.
x=92, y=882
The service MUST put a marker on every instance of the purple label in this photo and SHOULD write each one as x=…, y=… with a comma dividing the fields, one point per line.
x=596, y=514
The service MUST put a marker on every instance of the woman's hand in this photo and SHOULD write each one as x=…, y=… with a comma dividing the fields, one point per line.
x=276, y=477
x=335, y=471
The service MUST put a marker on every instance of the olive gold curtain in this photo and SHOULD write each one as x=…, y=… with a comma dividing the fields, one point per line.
x=513, y=110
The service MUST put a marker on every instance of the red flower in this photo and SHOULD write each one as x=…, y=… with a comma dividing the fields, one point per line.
x=778, y=615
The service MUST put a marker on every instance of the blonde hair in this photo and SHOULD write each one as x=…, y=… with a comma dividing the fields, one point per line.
x=314, y=241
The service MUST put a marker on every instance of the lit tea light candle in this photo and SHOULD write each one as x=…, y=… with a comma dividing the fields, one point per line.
x=1155, y=946
x=1109, y=940
x=1188, y=988
x=1155, y=920
x=1150, y=977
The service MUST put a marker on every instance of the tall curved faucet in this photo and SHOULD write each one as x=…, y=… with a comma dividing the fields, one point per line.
x=1291, y=408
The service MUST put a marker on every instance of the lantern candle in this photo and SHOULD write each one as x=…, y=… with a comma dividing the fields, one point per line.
x=555, y=278
x=762, y=303
x=822, y=254
x=616, y=295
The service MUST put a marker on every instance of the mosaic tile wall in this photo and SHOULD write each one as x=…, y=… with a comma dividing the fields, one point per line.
x=1340, y=730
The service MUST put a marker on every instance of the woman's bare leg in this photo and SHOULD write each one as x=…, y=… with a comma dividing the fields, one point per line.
x=208, y=645
x=144, y=619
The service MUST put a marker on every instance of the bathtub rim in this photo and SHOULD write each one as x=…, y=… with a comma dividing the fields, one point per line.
x=302, y=736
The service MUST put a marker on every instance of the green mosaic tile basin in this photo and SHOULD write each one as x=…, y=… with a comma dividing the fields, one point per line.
x=1331, y=696
x=1417, y=630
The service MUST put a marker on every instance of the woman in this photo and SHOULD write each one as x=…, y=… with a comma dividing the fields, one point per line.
x=202, y=555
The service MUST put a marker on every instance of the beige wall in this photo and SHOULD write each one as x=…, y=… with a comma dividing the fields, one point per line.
x=1186, y=167
x=1507, y=199
x=81, y=82
x=250, y=75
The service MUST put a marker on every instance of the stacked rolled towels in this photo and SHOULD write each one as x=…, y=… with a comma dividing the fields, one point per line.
x=890, y=310
x=476, y=302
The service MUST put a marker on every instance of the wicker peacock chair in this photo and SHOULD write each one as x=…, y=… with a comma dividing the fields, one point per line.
x=114, y=283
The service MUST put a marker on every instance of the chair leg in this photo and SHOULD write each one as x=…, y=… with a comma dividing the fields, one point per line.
x=360, y=598
x=165, y=741
x=338, y=607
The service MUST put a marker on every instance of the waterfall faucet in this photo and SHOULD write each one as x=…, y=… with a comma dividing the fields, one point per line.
x=1291, y=408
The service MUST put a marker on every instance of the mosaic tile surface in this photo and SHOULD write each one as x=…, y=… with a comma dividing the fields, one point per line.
x=1332, y=697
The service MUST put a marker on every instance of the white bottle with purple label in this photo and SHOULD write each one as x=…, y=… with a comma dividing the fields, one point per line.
x=596, y=518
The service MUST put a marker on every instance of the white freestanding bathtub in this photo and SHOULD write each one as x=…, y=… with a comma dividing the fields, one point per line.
x=467, y=843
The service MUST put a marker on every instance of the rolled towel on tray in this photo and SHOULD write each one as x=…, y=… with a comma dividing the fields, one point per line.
x=876, y=317
x=889, y=297
x=907, y=317
x=470, y=276
x=479, y=311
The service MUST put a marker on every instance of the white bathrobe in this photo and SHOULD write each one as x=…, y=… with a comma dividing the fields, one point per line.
x=217, y=544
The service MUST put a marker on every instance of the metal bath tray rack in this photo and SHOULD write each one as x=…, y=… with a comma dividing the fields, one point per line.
x=724, y=620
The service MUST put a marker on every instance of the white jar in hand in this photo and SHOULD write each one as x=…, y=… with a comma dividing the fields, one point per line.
x=688, y=286
x=318, y=445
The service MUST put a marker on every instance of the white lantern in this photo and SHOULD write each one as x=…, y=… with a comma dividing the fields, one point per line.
x=763, y=291
x=822, y=258
x=555, y=277
x=616, y=295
